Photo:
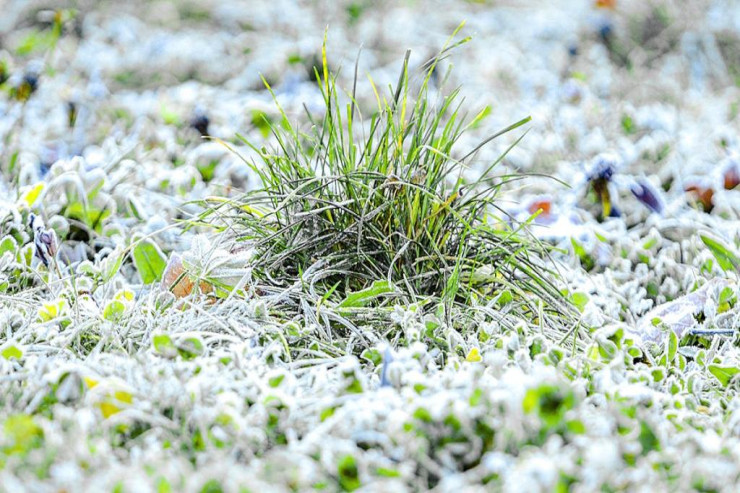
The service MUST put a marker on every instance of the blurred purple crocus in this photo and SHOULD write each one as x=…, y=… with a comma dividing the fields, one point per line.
x=648, y=195
x=44, y=240
x=600, y=176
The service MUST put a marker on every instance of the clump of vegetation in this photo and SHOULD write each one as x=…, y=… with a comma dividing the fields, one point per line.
x=357, y=216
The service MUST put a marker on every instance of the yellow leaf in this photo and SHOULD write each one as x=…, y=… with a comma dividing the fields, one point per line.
x=90, y=382
x=50, y=311
x=115, y=402
x=473, y=356
x=124, y=295
x=124, y=396
x=31, y=195
x=252, y=210
x=109, y=409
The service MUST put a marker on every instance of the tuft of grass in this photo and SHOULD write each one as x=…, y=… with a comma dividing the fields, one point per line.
x=383, y=210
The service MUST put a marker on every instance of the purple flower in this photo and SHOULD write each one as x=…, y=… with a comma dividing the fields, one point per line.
x=200, y=123
x=603, y=167
x=600, y=175
x=44, y=240
x=648, y=195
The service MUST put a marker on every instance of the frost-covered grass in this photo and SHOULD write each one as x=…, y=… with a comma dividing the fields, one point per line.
x=330, y=292
x=349, y=224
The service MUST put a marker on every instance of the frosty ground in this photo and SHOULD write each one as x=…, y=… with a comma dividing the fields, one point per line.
x=117, y=376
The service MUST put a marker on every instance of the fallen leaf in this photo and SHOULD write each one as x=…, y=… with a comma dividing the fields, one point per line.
x=606, y=4
x=677, y=315
x=731, y=177
x=704, y=196
x=177, y=280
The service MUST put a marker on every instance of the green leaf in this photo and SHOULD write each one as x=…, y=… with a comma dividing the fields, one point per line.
x=579, y=300
x=725, y=296
x=276, y=381
x=35, y=41
x=90, y=216
x=475, y=397
x=529, y=403
x=348, y=473
x=453, y=284
x=363, y=297
x=11, y=351
x=113, y=310
x=134, y=208
x=587, y=261
x=354, y=387
x=23, y=434
x=650, y=243
x=8, y=244
x=149, y=261
x=634, y=352
x=724, y=373
x=163, y=486
x=208, y=170
x=111, y=264
x=701, y=356
x=190, y=348
x=212, y=486
x=262, y=122
x=326, y=413
x=607, y=349
x=480, y=117
x=576, y=427
x=422, y=414
x=169, y=117
x=628, y=125
x=647, y=438
x=372, y=355
x=163, y=345
x=550, y=402
x=671, y=347
x=25, y=256
x=387, y=473
x=726, y=258
x=504, y=298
